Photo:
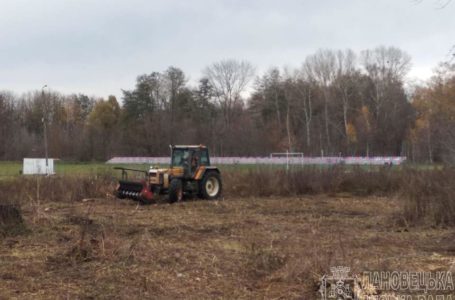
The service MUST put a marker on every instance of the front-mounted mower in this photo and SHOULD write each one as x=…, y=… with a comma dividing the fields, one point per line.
x=189, y=174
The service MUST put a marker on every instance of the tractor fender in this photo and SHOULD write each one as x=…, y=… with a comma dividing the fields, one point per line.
x=212, y=168
x=201, y=173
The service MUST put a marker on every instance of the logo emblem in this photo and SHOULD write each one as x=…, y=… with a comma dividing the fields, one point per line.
x=339, y=285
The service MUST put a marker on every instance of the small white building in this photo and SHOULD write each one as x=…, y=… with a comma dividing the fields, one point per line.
x=37, y=166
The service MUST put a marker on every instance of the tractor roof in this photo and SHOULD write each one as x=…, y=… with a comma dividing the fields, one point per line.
x=189, y=146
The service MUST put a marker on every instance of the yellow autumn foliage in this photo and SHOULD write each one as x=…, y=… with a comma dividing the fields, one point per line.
x=351, y=133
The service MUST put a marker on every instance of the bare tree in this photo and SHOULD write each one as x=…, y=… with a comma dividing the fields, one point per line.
x=174, y=82
x=273, y=81
x=384, y=65
x=386, y=68
x=288, y=83
x=304, y=87
x=229, y=78
x=321, y=67
x=346, y=68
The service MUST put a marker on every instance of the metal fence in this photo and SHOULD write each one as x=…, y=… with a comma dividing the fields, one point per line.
x=328, y=160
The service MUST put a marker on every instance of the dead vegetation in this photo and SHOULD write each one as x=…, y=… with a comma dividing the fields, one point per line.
x=274, y=245
x=427, y=196
x=313, y=180
x=36, y=189
x=11, y=222
x=239, y=248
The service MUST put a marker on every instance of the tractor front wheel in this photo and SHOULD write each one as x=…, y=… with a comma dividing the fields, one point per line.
x=175, y=190
x=210, y=186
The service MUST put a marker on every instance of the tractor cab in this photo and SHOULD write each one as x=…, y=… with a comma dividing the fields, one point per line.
x=187, y=160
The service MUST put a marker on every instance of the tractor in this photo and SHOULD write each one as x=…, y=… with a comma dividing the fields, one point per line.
x=189, y=174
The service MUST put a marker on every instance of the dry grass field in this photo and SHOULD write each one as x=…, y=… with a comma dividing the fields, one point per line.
x=273, y=248
x=73, y=240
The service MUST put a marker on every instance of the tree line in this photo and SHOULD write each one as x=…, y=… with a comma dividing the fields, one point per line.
x=337, y=102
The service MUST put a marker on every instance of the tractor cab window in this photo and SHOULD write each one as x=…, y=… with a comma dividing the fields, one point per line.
x=204, y=157
x=190, y=157
x=179, y=157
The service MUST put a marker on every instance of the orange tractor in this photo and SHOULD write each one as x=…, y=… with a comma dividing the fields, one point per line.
x=189, y=173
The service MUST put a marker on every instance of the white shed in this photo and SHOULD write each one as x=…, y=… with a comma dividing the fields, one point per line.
x=37, y=166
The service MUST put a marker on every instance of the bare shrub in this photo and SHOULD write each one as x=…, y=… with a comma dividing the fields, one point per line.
x=25, y=190
x=429, y=197
x=11, y=222
x=383, y=181
x=90, y=239
x=312, y=180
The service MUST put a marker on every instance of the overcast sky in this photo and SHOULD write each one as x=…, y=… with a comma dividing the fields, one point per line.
x=98, y=47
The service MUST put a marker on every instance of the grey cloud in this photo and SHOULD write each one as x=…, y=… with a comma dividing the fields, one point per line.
x=99, y=47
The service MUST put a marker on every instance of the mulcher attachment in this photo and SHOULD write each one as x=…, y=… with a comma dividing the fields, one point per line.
x=134, y=190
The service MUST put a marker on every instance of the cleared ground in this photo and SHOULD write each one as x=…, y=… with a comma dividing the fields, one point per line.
x=237, y=248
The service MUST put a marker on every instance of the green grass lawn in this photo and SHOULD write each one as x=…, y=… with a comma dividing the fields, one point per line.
x=10, y=169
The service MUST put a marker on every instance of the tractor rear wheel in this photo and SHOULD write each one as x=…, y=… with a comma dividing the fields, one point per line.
x=175, y=190
x=210, y=187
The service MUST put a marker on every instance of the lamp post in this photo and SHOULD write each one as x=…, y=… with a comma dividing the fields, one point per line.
x=44, y=120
